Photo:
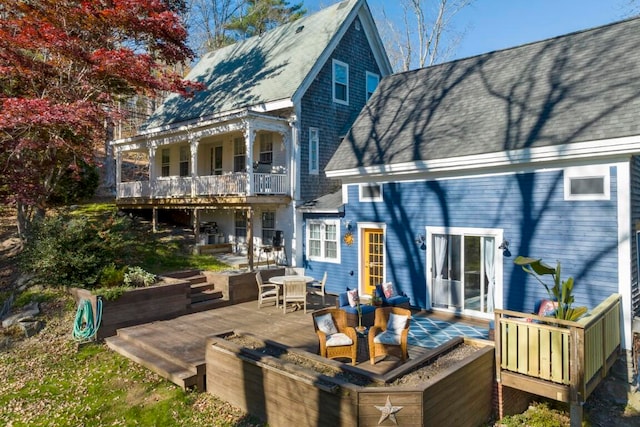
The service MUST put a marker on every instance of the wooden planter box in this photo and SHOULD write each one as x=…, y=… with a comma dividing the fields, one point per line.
x=558, y=359
x=168, y=299
x=284, y=394
x=240, y=286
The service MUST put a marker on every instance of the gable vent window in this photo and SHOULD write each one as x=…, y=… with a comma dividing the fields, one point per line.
x=587, y=183
x=371, y=192
x=340, y=82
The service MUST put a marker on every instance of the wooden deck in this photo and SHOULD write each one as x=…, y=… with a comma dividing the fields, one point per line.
x=175, y=349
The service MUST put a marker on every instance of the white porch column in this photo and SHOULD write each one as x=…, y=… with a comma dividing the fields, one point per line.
x=118, y=156
x=249, y=137
x=152, y=171
x=193, y=146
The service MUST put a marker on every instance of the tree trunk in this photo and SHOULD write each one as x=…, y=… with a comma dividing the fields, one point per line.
x=25, y=215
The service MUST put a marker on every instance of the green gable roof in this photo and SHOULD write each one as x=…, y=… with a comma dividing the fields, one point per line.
x=259, y=70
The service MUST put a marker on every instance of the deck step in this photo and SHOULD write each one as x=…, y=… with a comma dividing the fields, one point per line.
x=199, y=306
x=177, y=374
x=202, y=287
x=196, y=279
x=207, y=295
x=184, y=274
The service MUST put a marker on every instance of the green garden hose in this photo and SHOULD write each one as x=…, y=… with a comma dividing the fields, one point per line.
x=84, y=327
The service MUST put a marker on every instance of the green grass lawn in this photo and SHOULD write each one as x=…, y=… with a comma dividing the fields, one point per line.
x=50, y=380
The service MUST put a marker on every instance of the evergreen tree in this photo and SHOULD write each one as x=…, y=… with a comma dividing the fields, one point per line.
x=260, y=16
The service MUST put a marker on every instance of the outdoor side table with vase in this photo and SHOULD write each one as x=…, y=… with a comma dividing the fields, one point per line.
x=357, y=314
x=362, y=333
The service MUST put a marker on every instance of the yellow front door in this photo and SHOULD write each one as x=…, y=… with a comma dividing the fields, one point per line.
x=373, y=259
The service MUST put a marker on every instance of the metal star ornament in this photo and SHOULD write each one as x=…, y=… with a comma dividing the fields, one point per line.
x=388, y=411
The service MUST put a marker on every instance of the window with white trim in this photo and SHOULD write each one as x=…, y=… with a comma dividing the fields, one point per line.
x=185, y=153
x=340, y=82
x=372, y=83
x=323, y=240
x=240, y=224
x=165, y=170
x=268, y=227
x=587, y=183
x=465, y=268
x=239, y=155
x=266, y=148
x=314, y=150
x=371, y=192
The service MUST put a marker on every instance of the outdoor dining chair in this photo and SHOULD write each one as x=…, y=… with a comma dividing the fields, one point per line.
x=317, y=288
x=267, y=292
x=294, y=291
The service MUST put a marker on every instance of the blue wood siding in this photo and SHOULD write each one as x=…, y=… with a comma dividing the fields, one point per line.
x=531, y=210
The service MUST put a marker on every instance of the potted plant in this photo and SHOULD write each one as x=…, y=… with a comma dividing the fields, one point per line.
x=562, y=290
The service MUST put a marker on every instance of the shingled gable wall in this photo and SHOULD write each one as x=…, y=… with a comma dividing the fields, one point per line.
x=332, y=119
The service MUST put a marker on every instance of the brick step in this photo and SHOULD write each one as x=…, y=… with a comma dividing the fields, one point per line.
x=176, y=373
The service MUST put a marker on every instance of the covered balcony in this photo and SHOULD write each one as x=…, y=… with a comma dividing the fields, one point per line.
x=241, y=158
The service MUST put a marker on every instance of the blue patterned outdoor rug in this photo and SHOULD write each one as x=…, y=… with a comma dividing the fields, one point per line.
x=430, y=333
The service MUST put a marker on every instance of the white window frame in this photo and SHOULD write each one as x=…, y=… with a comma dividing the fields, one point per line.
x=165, y=162
x=335, y=63
x=497, y=234
x=365, y=198
x=266, y=148
x=323, y=256
x=314, y=151
x=587, y=172
x=367, y=89
x=185, y=156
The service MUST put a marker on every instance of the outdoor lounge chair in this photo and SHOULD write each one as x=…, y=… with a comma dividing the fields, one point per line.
x=337, y=340
x=389, y=333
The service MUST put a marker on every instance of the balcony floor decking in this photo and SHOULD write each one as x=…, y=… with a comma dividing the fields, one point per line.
x=175, y=348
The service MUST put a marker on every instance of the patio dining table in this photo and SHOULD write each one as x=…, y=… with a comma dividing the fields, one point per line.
x=281, y=280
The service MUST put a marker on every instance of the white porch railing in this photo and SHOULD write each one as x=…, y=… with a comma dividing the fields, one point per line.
x=270, y=183
x=133, y=189
x=172, y=186
x=212, y=185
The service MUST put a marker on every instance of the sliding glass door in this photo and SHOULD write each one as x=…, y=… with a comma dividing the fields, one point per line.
x=462, y=269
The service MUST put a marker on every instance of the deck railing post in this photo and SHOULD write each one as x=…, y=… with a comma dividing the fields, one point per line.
x=576, y=375
x=497, y=337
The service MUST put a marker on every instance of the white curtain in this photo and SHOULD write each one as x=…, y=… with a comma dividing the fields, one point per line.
x=490, y=269
x=440, y=254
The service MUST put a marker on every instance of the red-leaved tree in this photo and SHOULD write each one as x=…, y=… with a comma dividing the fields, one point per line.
x=63, y=65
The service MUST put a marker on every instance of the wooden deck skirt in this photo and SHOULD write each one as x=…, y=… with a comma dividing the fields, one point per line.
x=284, y=394
x=558, y=359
